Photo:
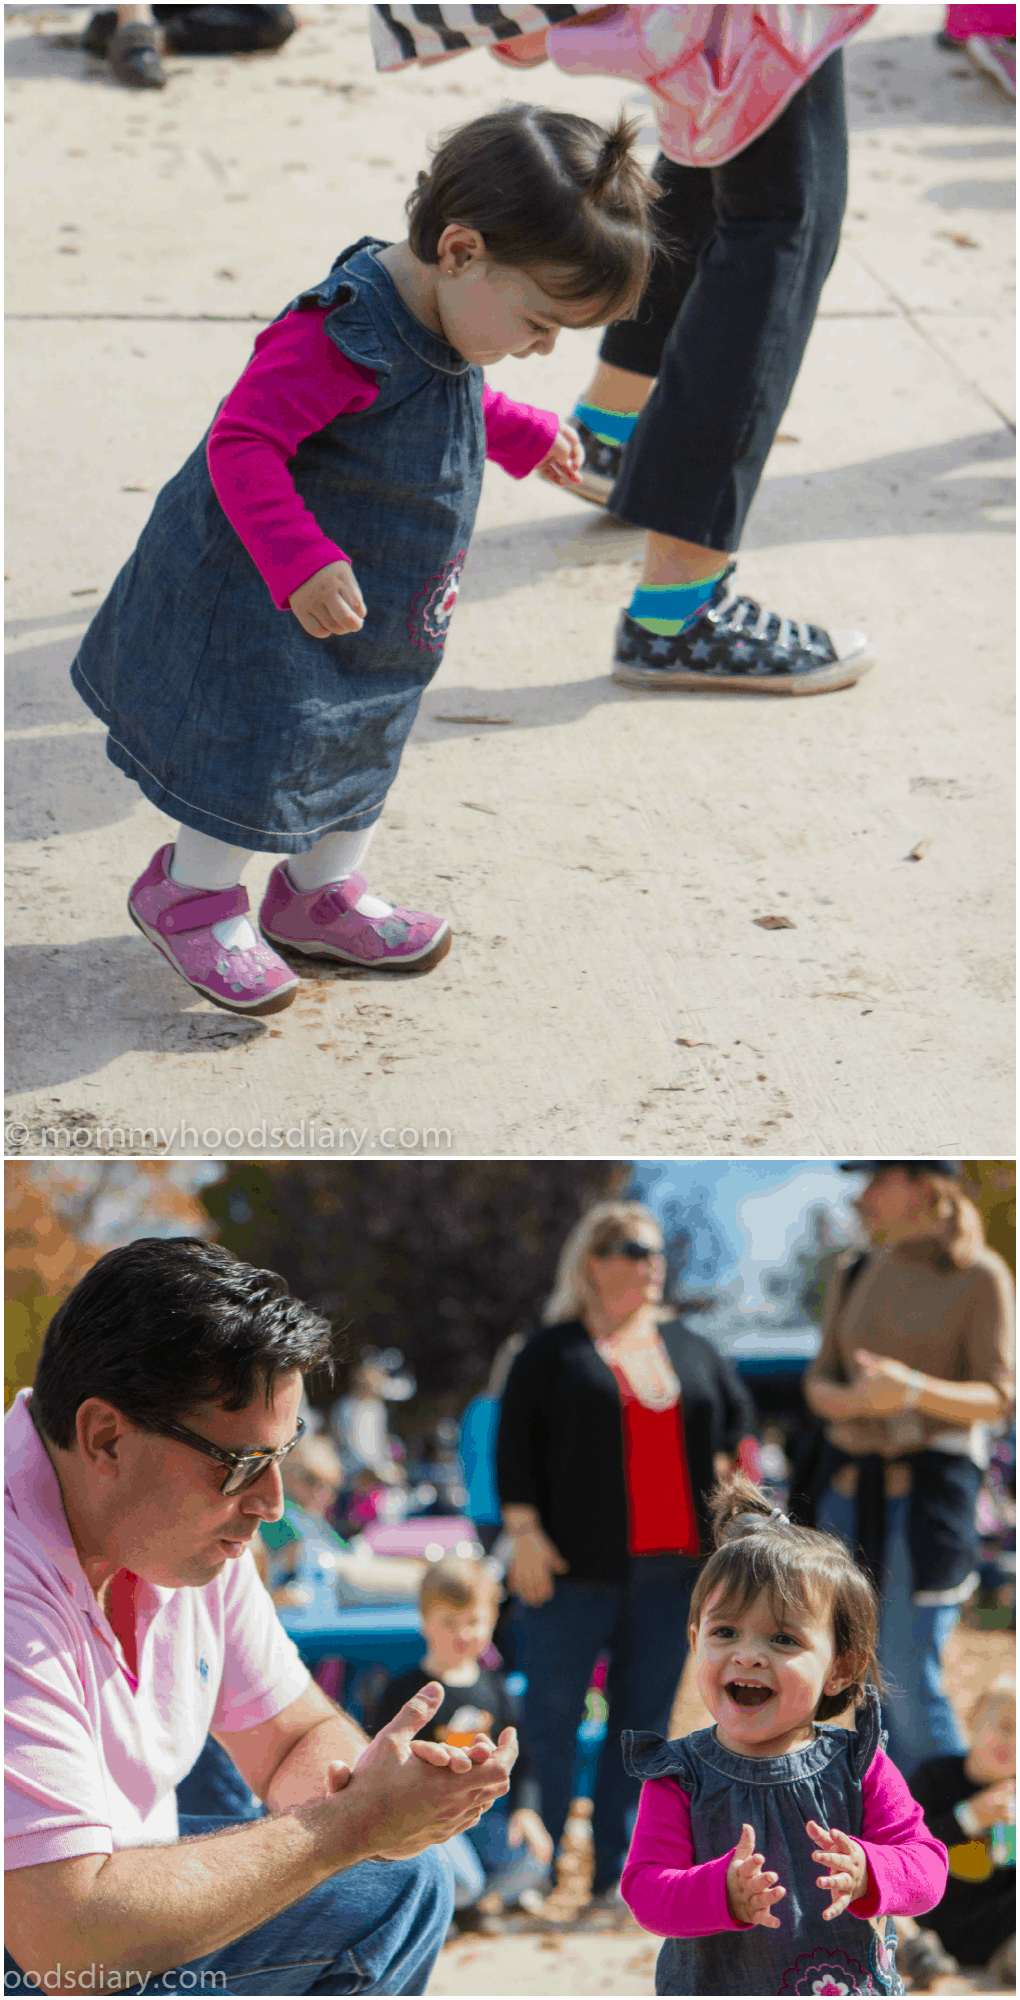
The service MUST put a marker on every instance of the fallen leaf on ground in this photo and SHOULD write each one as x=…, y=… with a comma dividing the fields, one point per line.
x=957, y=236
x=775, y=923
x=474, y=718
x=473, y=806
x=683, y=1043
x=90, y=592
x=785, y=437
x=920, y=849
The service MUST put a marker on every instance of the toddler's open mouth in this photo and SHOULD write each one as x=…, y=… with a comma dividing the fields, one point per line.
x=748, y=1694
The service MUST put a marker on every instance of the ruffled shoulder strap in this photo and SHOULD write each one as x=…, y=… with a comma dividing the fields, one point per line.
x=352, y=321
x=869, y=1735
x=646, y=1755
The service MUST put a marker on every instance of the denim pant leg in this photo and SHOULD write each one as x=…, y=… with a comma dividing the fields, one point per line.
x=375, y=1928
x=648, y=1650
x=559, y=1643
x=215, y=1789
x=731, y=359
x=916, y=1710
x=508, y=1869
x=468, y=1873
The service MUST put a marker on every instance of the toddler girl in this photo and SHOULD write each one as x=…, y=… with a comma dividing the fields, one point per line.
x=734, y=1821
x=260, y=658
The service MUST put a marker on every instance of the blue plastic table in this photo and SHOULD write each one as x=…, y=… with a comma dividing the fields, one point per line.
x=385, y=1635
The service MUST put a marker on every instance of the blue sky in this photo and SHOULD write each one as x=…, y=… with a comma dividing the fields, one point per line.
x=759, y=1209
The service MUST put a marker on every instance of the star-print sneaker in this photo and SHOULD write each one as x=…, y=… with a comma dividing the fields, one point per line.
x=601, y=466
x=737, y=645
x=326, y=923
x=178, y=920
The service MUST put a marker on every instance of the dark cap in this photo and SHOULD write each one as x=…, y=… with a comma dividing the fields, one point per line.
x=951, y=1169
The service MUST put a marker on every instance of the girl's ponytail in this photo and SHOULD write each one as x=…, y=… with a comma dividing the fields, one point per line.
x=738, y=1507
x=617, y=175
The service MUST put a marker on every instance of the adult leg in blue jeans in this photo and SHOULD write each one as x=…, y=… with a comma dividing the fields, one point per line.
x=648, y=1647
x=215, y=1789
x=916, y=1710
x=558, y=1645
x=643, y=1625
x=375, y=1928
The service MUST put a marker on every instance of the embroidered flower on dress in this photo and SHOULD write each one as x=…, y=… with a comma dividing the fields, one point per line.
x=823, y=1976
x=432, y=607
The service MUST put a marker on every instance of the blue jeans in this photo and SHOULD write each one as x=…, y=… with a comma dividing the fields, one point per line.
x=508, y=1869
x=468, y=1873
x=215, y=1789
x=375, y=1928
x=642, y=1624
x=916, y=1709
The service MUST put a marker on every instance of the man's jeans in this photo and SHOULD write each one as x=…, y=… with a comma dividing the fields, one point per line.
x=642, y=1624
x=725, y=319
x=375, y=1928
x=916, y=1709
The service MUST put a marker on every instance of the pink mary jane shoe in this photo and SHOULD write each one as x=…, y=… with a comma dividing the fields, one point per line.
x=178, y=920
x=326, y=923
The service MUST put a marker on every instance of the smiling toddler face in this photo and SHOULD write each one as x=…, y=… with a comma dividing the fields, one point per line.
x=761, y=1676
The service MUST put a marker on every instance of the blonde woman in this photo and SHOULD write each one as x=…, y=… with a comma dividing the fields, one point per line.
x=916, y=1364
x=615, y=1423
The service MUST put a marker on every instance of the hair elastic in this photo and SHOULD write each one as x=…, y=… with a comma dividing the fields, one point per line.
x=762, y=1520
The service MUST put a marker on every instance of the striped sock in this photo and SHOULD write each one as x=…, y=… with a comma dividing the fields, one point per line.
x=609, y=426
x=668, y=608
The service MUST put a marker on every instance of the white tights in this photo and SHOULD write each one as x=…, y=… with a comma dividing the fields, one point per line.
x=201, y=862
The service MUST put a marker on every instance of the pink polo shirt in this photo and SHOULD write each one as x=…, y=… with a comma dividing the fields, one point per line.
x=92, y=1755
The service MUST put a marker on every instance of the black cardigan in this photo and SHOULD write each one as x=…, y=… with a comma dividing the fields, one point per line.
x=560, y=1444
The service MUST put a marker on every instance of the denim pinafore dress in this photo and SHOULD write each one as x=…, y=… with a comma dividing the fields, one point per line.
x=224, y=710
x=777, y=1796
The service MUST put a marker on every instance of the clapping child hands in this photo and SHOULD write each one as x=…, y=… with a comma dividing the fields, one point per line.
x=750, y=1892
x=847, y=1863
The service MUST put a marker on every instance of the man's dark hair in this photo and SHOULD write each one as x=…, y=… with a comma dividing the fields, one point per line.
x=165, y=1323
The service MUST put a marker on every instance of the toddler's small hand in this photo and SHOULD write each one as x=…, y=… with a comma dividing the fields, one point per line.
x=847, y=1863
x=750, y=1892
x=329, y=602
x=563, y=463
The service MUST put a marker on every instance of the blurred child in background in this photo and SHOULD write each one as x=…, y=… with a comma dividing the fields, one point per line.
x=459, y=1602
x=963, y=1799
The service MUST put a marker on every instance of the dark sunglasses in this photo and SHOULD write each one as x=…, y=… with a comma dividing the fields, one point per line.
x=244, y=1467
x=639, y=1253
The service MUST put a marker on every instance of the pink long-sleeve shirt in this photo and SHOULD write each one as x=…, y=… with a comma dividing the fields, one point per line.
x=295, y=384
x=673, y=1895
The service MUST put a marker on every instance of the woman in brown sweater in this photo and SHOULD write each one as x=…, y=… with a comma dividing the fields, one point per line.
x=916, y=1364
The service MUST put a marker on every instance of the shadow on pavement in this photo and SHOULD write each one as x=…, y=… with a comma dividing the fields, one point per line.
x=125, y=998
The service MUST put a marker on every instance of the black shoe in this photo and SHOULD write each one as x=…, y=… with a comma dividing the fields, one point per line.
x=923, y=1957
x=601, y=466
x=133, y=57
x=222, y=31
x=737, y=645
x=480, y=1923
x=96, y=39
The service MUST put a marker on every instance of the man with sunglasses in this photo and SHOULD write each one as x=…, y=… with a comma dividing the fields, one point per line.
x=138, y=1469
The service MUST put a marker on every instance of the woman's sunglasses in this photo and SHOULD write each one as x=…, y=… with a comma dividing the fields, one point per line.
x=243, y=1467
x=639, y=1253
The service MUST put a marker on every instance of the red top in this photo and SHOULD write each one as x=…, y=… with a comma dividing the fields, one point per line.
x=660, y=1505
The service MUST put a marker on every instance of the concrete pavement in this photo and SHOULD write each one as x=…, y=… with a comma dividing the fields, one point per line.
x=604, y=854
